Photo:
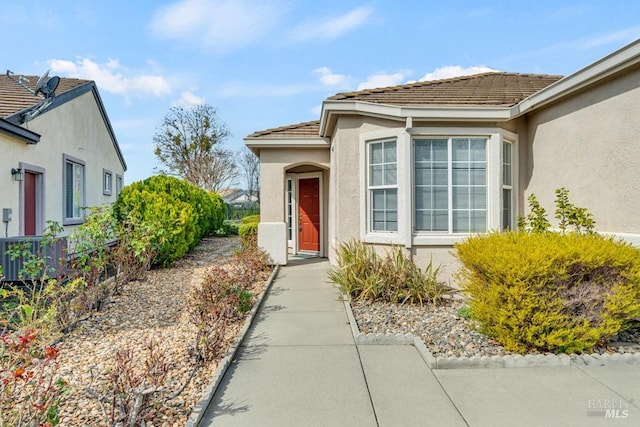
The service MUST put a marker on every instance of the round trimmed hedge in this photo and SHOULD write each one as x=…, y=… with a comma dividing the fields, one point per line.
x=180, y=213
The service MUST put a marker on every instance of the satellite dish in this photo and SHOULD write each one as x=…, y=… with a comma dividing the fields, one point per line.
x=41, y=82
x=50, y=86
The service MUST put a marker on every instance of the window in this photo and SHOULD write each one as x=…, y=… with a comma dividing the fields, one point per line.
x=290, y=209
x=450, y=185
x=119, y=185
x=383, y=186
x=74, y=190
x=107, y=182
x=507, y=186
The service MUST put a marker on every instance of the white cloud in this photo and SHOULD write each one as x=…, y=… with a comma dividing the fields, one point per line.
x=331, y=28
x=455, y=71
x=188, y=100
x=110, y=77
x=384, y=80
x=220, y=25
x=329, y=78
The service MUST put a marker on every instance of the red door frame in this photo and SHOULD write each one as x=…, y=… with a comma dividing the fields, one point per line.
x=30, y=213
x=32, y=204
x=309, y=214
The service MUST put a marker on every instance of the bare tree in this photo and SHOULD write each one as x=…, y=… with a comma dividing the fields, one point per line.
x=250, y=165
x=189, y=144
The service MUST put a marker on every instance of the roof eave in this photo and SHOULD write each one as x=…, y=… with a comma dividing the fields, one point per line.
x=613, y=63
x=19, y=132
x=476, y=113
x=255, y=144
x=107, y=122
x=89, y=86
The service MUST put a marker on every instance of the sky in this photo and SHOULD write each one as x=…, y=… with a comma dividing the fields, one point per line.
x=269, y=63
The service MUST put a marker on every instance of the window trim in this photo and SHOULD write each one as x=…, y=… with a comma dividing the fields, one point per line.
x=404, y=136
x=494, y=136
x=119, y=184
x=450, y=185
x=66, y=158
x=371, y=188
x=402, y=139
x=107, y=177
x=510, y=187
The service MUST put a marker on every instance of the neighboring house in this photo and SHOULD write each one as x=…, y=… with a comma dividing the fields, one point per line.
x=238, y=198
x=58, y=161
x=427, y=164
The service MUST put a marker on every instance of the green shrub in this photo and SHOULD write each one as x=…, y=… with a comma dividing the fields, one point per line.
x=362, y=274
x=570, y=217
x=550, y=291
x=229, y=228
x=180, y=213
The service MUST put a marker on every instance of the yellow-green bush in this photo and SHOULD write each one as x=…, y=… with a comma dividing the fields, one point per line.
x=549, y=291
x=249, y=225
x=250, y=218
x=248, y=229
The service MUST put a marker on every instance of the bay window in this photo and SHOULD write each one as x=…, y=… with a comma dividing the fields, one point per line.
x=450, y=185
x=436, y=185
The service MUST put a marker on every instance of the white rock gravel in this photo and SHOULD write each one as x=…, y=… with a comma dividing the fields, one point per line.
x=150, y=309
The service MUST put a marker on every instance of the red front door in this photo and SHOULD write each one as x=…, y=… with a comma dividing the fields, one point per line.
x=309, y=214
x=29, y=204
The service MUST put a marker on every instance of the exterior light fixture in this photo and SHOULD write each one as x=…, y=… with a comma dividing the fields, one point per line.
x=18, y=174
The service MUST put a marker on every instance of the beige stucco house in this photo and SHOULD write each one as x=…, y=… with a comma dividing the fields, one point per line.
x=55, y=160
x=427, y=164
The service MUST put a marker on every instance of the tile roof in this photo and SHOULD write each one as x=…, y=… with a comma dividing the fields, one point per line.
x=15, y=98
x=299, y=130
x=486, y=89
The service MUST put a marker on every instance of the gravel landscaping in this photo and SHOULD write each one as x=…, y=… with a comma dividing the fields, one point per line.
x=149, y=309
x=447, y=334
x=154, y=309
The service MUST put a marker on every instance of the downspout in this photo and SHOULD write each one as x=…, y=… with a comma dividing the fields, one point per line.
x=409, y=215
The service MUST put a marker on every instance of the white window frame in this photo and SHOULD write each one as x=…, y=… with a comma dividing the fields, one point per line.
x=494, y=138
x=510, y=187
x=371, y=188
x=450, y=184
x=404, y=136
x=289, y=211
x=107, y=182
x=67, y=159
x=402, y=140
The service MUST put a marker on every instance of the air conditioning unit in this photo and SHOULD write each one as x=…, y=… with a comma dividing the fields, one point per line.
x=54, y=255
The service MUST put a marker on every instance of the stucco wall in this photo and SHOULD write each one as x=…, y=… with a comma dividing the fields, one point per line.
x=345, y=172
x=75, y=128
x=274, y=163
x=590, y=144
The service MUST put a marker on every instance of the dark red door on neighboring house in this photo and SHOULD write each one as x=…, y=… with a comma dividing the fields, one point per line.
x=29, y=204
x=309, y=214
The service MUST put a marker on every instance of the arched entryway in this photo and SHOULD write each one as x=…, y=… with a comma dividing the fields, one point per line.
x=305, y=209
